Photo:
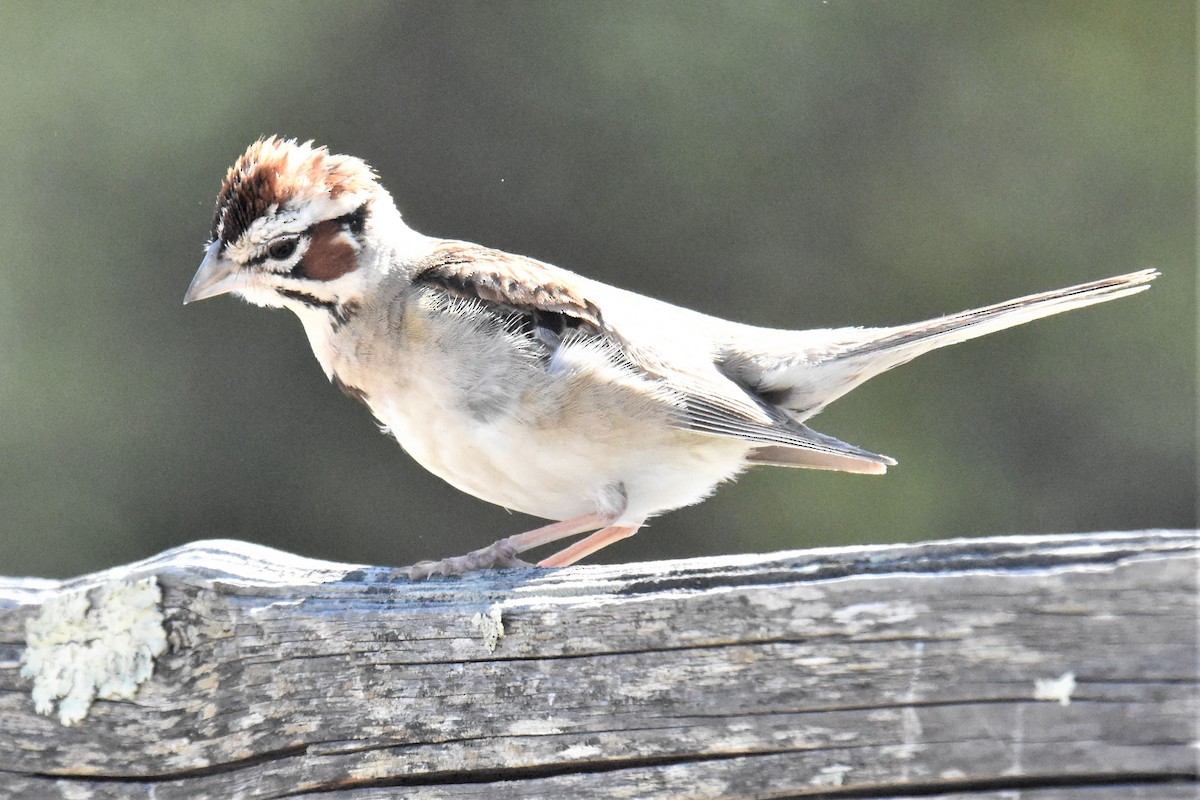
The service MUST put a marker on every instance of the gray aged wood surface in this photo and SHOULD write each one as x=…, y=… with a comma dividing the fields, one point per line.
x=1043, y=668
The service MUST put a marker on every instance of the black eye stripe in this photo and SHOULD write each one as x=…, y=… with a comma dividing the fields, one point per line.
x=355, y=222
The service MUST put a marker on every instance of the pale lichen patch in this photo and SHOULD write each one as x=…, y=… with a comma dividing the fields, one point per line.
x=533, y=727
x=580, y=752
x=804, y=599
x=863, y=616
x=490, y=626
x=831, y=775
x=1055, y=690
x=77, y=649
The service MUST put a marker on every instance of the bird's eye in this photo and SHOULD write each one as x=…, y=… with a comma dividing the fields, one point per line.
x=282, y=248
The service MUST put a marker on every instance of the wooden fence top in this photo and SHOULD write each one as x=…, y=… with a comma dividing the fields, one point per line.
x=1031, y=667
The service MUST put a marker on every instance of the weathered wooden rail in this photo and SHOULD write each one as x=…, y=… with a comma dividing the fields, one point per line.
x=1031, y=667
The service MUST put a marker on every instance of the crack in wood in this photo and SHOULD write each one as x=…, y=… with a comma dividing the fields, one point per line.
x=238, y=765
x=896, y=791
x=1012, y=784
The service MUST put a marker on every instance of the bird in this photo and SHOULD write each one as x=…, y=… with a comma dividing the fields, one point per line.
x=538, y=389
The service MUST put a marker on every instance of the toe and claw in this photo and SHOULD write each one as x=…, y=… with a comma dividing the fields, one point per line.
x=501, y=555
x=504, y=553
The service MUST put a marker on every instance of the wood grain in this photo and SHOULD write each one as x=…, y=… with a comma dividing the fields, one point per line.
x=893, y=671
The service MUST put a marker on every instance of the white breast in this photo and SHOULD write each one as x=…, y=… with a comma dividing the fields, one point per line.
x=554, y=439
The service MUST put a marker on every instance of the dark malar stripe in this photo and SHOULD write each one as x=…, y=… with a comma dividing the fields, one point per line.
x=341, y=313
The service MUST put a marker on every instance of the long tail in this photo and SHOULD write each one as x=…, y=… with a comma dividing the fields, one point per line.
x=827, y=364
x=932, y=334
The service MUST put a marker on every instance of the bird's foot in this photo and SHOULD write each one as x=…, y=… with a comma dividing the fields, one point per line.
x=501, y=555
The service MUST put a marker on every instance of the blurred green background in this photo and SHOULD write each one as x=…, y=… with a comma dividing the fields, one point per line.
x=795, y=164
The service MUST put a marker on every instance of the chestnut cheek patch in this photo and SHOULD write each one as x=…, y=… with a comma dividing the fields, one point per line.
x=329, y=255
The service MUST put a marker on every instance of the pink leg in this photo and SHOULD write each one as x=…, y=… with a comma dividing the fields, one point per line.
x=555, y=531
x=504, y=552
x=585, y=547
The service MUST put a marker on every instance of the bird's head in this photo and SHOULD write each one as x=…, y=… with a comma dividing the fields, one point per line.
x=295, y=226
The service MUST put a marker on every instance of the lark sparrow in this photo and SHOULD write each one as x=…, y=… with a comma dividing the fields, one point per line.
x=532, y=387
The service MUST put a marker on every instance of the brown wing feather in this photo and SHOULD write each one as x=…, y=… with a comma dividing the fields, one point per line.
x=705, y=400
x=472, y=271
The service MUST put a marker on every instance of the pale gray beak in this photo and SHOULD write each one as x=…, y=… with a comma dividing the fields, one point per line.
x=215, y=276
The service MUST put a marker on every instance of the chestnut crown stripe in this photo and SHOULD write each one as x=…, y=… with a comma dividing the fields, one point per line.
x=255, y=182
